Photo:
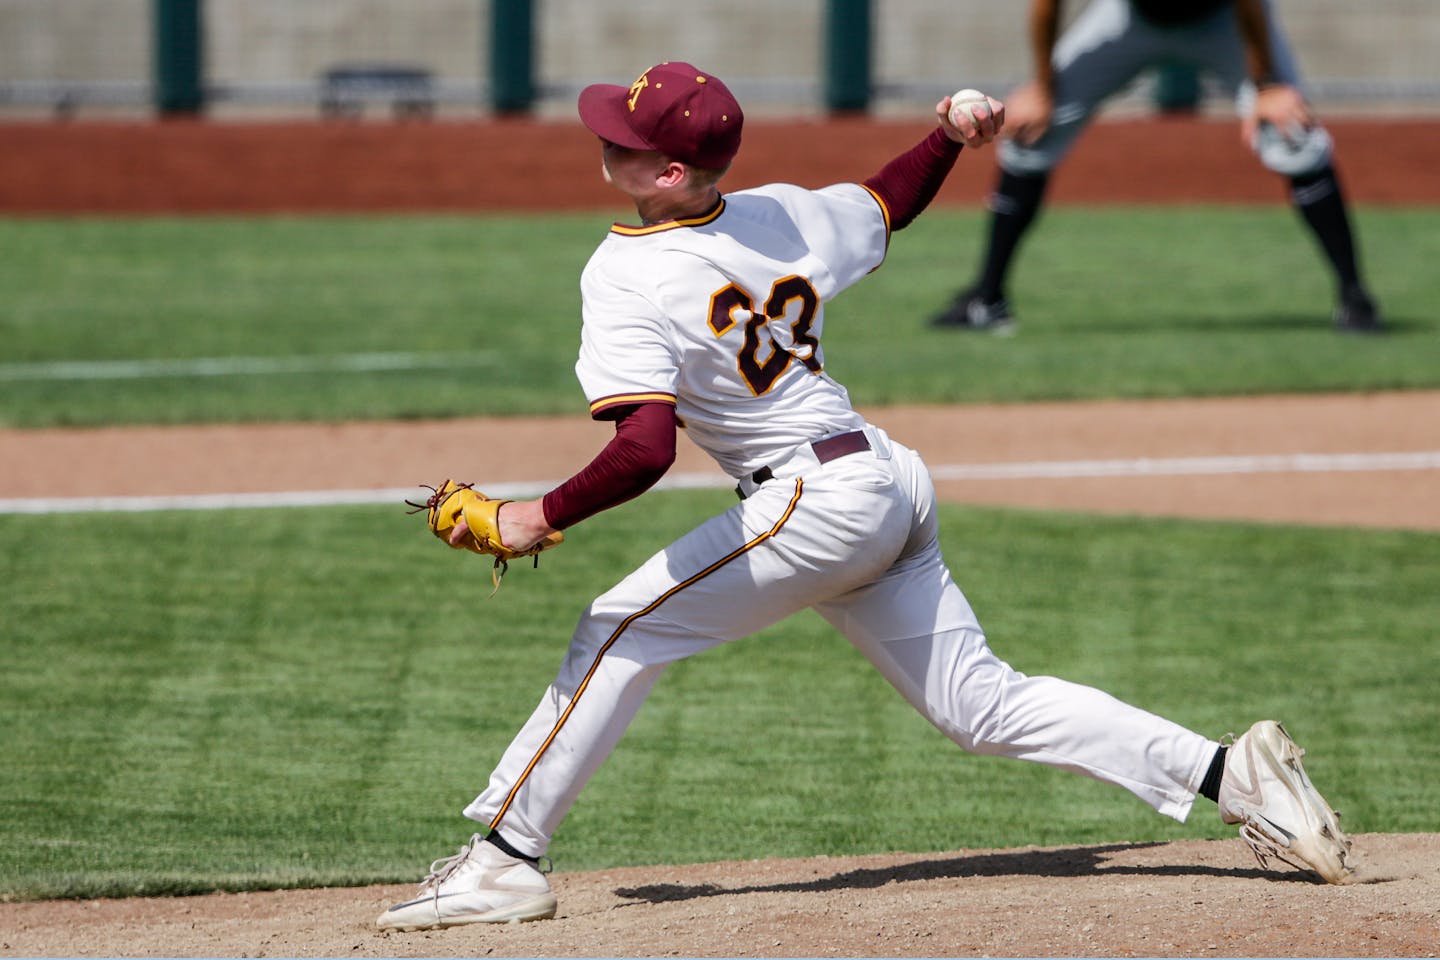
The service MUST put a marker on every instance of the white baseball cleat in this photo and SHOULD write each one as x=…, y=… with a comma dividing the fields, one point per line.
x=1265, y=789
x=480, y=884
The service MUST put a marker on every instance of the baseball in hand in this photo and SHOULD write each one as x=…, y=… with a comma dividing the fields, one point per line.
x=961, y=102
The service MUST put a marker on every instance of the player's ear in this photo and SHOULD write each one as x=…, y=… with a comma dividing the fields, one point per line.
x=672, y=174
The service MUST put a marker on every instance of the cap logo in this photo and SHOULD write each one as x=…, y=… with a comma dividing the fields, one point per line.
x=635, y=89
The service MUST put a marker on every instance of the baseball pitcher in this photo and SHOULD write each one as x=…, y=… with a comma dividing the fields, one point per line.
x=708, y=315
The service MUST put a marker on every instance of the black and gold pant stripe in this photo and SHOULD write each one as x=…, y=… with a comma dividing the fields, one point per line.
x=620, y=630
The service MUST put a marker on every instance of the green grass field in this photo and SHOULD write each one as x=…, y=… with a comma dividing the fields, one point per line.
x=242, y=699
x=292, y=315
x=250, y=699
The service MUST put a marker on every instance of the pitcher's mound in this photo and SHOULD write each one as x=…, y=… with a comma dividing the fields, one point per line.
x=1185, y=899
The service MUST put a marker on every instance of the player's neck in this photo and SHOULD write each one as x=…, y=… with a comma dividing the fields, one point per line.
x=663, y=207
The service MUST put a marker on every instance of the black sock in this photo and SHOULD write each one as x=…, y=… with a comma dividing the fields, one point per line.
x=1013, y=206
x=1318, y=198
x=1210, y=786
x=493, y=837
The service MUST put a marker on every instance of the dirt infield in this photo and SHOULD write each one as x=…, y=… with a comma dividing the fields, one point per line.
x=1189, y=899
x=1210, y=458
x=1194, y=899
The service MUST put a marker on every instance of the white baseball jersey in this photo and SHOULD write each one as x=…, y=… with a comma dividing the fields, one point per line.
x=723, y=315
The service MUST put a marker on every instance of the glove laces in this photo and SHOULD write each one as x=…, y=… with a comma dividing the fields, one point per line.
x=435, y=498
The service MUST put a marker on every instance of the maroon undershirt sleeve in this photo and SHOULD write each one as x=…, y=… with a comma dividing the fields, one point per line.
x=908, y=183
x=642, y=449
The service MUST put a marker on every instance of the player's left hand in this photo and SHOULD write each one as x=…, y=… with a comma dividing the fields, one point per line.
x=977, y=126
x=466, y=519
x=521, y=524
x=1280, y=105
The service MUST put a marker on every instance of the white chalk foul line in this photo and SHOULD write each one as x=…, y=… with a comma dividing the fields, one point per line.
x=240, y=366
x=305, y=498
x=216, y=501
x=1191, y=466
x=1045, y=469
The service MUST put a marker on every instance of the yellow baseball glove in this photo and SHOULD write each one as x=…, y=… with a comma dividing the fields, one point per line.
x=450, y=501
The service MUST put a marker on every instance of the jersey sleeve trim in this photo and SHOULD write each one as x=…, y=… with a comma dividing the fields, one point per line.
x=884, y=209
x=884, y=212
x=629, y=231
x=628, y=399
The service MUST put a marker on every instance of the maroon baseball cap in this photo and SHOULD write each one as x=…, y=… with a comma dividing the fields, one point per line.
x=674, y=108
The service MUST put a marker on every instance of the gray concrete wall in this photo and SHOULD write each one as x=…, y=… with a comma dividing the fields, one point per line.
x=770, y=52
x=101, y=44
x=264, y=54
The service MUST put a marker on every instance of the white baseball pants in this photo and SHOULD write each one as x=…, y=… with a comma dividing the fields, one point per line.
x=855, y=538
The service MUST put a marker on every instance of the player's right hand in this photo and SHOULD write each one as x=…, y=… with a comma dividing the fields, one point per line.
x=976, y=128
x=1282, y=106
x=1028, y=109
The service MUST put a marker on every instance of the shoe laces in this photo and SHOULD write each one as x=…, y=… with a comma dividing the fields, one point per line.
x=446, y=867
x=1264, y=846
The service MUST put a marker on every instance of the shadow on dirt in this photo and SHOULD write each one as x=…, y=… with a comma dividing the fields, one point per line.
x=1068, y=862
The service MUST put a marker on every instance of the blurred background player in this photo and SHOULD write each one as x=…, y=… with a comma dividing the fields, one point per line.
x=1239, y=43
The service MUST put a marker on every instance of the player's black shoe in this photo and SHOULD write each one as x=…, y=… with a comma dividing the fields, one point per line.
x=1356, y=313
x=969, y=312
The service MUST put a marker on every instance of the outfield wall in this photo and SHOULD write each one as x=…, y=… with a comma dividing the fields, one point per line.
x=267, y=56
x=306, y=167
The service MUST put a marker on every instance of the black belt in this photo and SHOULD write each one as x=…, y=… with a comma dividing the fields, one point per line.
x=831, y=448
